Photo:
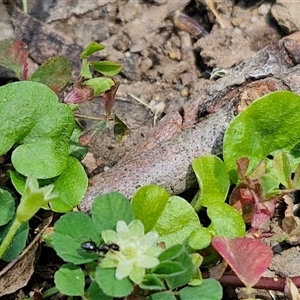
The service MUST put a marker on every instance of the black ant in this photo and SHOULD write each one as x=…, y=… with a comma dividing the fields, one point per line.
x=92, y=247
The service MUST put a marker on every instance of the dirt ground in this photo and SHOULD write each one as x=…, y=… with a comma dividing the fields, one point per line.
x=171, y=52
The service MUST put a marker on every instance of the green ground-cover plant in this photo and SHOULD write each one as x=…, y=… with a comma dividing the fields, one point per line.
x=154, y=258
x=154, y=245
x=40, y=138
x=176, y=222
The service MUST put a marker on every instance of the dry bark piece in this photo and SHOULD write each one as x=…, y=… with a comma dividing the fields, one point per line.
x=43, y=41
x=18, y=272
x=169, y=164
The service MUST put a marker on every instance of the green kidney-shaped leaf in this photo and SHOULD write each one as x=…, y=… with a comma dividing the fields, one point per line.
x=69, y=280
x=18, y=181
x=70, y=231
x=177, y=221
x=110, y=285
x=110, y=208
x=107, y=68
x=95, y=293
x=32, y=118
x=167, y=295
x=70, y=186
x=212, y=179
x=148, y=204
x=56, y=73
x=210, y=289
x=269, y=125
x=199, y=238
x=225, y=220
x=7, y=207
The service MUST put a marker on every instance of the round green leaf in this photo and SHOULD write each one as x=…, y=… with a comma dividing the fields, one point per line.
x=269, y=125
x=70, y=186
x=7, y=207
x=213, y=180
x=210, y=289
x=225, y=221
x=95, y=293
x=70, y=231
x=69, y=280
x=18, y=181
x=32, y=117
x=199, y=238
x=110, y=285
x=177, y=221
x=167, y=295
x=148, y=204
x=110, y=208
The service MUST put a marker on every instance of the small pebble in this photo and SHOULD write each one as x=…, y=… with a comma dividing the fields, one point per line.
x=263, y=9
x=184, y=92
x=146, y=64
x=254, y=19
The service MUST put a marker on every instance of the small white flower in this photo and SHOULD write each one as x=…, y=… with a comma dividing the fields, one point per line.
x=138, y=251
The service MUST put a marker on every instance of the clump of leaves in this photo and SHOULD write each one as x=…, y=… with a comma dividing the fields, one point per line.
x=261, y=157
x=40, y=138
x=150, y=247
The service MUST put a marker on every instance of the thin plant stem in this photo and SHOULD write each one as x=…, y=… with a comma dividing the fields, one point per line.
x=9, y=236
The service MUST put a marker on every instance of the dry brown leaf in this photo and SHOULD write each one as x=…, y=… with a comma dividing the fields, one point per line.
x=290, y=290
x=18, y=272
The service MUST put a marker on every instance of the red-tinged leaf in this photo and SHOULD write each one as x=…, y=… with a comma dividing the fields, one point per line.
x=14, y=56
x=247, y=257
x=56, y=73
x=242, y=166
x=79, y=94
x=263, y=211
x=242, y=200
x=109, y=97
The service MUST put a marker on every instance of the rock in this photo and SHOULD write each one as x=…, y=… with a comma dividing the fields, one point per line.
x=131, y=68
x=6, y=29
x=287, y=15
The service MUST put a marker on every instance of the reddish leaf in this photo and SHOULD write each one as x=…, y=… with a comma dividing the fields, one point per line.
x=242, y=166
x=263, y=211
x=14, y=56
x=109, y=97
x=55, y=73
x=242, y=200
x=79, y=94
x=247, y=257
